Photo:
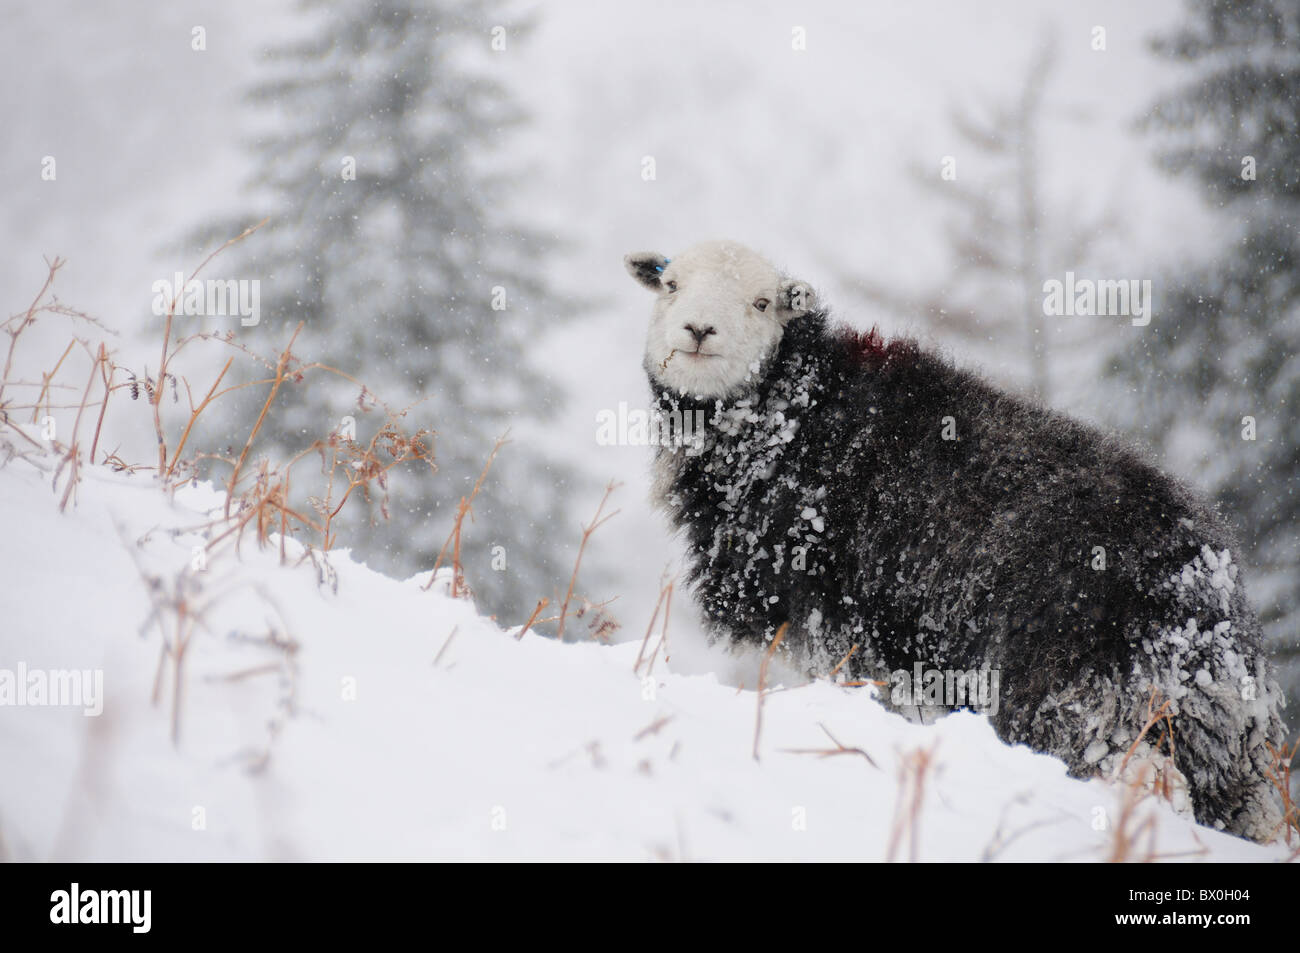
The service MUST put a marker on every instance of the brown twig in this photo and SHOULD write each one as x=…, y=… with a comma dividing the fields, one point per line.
x=462, y=510
x=913, y=769
x=194, y=415
x=1154, y=717
x=281, y=366
x=762, y=682
x=442, y=651
x=663, y=629
x=1124, y=842
x=596, y=522
x=29, y=317
x=664, y=594
x=653, y=728
x=832, y=752
x=848, y=655
x=106, y=371
x=1279, y=774
x=541, y=604
x=167, y=348
x=74, y=456
x=45, y=382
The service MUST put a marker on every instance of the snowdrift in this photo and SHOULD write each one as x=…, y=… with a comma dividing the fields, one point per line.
x=326, y=712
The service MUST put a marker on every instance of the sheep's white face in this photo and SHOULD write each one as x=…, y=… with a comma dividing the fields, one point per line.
x=719, y=315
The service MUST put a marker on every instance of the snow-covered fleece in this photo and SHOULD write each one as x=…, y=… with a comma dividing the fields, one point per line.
x=869, y=493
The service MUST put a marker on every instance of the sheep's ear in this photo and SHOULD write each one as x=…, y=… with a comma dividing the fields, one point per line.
x=794, y=300
x=646, y=267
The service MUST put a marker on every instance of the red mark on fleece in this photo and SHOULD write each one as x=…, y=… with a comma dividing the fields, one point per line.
x=870, y=349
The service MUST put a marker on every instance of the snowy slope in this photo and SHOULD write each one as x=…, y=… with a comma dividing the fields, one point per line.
x=503, y=749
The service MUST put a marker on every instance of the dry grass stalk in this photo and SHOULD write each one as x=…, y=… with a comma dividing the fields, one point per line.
x=914, y=769
x=106, y=369
x=458, y=586
x=653, y=728
x=602, y=624
x=73, y=456
x=541, y=604
x=596, y=522
x=445, y=645
x=839, y=749
x=179, y=604
x=167, y=352
x=281, y=368
x=1126, y=844
x=47, y=378
x=844, y=661
x=1162, y=781
x=364, y=465
x=17, y=324
x=663, y=630
x=1279, y=774
x=762, y=682
x=194, y=415
x=664, y=602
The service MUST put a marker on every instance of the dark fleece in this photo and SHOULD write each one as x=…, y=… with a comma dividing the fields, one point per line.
x=975, y=552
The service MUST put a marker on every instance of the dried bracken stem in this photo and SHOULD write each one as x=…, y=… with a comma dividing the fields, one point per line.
x=832, y=752
x=167, y=352
x=106, y=371
x=181, y=601
x=463, y=510
x=762, y=682
x=1002, y=838
x=653, y=728
x=648, y=629
x=46, y=379
x=1154, y=717
x=445, y=645
x=74, y=449
x=596, y=522
x=194, y=415
x=913, y=771
x=1129, y=830
x=663, y=602
x=663, y=630
x=179, y=646
x=541, y=604
x=1279, y=774
x=844, y=661
x=24, y=321
x=281, y=366
x=178, y=601
x=458, y=586
x=263, y=504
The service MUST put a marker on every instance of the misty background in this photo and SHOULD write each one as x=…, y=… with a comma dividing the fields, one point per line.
x=507, y=146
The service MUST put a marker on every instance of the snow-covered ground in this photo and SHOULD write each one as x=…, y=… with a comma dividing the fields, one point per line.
x=352, y=724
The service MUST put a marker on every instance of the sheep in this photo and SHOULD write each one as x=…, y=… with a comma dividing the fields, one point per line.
x=869, y=493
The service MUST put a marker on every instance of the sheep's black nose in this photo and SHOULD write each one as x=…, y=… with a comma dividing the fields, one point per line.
x=700, y=333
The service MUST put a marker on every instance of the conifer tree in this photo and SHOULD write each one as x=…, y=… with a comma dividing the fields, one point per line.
x=385, y=165
x=1219, y=365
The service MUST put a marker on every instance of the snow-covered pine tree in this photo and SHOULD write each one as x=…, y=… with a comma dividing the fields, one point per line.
x=1218, y=368
x=383, y=163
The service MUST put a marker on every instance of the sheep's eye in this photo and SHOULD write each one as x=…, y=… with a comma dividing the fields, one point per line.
x=761, y=304
x=671, y=286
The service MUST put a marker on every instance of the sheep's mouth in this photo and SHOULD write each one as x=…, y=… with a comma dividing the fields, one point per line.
x=692, y=355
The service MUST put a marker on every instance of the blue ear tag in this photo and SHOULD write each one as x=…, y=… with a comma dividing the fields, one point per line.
x=661, y=267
